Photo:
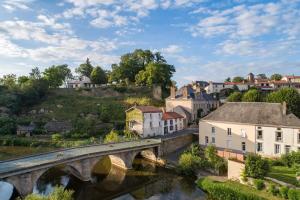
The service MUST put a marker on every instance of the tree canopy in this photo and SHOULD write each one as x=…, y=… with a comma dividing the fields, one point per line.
x=235, y=97
x=85, y=69
x=98, y=76
x=252, y=95
x=238, y=79
x=276, y=77
x=56, y=75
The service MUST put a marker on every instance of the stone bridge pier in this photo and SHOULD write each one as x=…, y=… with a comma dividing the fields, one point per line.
x=81, y=168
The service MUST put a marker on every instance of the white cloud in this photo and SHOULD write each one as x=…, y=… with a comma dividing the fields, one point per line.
x=12, y=5
x=171, y=49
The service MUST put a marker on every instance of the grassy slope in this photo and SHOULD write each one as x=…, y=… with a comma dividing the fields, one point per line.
x=284, y=174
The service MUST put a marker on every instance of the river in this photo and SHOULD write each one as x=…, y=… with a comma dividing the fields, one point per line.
x=145, y=181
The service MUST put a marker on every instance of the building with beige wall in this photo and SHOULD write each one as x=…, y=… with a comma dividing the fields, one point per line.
x=191, y=101
x=292, y=79
x=256, y=127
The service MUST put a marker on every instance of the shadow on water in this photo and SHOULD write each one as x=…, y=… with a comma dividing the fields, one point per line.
x=144, y=181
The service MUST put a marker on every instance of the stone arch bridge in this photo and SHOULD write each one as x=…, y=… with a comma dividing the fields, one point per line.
x=23, y=173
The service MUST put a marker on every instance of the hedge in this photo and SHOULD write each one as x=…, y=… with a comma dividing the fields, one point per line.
x=294, y=194
x=220, y=191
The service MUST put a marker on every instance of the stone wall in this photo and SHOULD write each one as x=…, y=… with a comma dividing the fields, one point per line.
x=235, y=169
x=172, y=144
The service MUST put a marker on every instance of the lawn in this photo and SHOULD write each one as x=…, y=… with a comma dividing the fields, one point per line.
x=285, y=174
x=245, y=189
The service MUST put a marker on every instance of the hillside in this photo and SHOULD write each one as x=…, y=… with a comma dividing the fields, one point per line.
x=93, y=111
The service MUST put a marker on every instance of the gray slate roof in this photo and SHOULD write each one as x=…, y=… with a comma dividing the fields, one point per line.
x=203, y=96
x=259, y=113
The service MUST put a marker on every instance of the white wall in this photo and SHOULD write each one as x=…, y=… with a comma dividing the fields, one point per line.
x=157, y=125
x=178, y=122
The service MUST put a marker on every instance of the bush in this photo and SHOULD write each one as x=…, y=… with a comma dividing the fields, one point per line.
x=56, y=137
x=273, y=189
x=256, y=166
x=112, y=137
x=59, y=193
x=294, y=194
x=244, y=176
x=7, y=125
x=221, y=191
x=259, y=184
x=283, y=190
x=189, y=164
x=291, y=159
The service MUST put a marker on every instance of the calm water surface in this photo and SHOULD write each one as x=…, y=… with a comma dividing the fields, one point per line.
x=144, y=181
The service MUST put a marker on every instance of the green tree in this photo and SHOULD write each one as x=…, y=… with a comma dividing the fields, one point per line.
x=261, y=76
x=156, y=74
x=112, y=137
x=10, y=81
x=56, y=75
x=85, y=69
x=7, y=125
x=251, y=96
x=276, y=77
x=238, y=79
x=35, y=73
x=228, y=79
x=235, y=97
x=98, y=76
x=256, y=166
x=22, y=80
x=288, y=95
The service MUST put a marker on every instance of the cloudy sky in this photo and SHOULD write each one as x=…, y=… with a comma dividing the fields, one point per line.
x=204, y=39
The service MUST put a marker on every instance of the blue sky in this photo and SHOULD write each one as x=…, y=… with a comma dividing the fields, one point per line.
x=204, y=39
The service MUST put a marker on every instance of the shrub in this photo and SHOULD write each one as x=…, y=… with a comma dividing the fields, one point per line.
x=56, y=137
x=259, y=184
x=256, y=166
x=283, y=190
x=189, y=164
x=244, y=176
x=273, y=189
x=221, y=191
x=59, y=193
x=294, y=194
x=7, y=125
x=112, y=137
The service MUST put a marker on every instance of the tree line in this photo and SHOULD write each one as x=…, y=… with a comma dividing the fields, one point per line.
x=239, y=79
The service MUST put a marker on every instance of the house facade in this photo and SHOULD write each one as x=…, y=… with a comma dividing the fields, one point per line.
x=80, y=82
x=172, y=122
x=251, y=127
x=194, y=102
x=292, y=79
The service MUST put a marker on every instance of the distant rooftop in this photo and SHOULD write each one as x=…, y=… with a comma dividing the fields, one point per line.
x=254, y=113
x=171, y=115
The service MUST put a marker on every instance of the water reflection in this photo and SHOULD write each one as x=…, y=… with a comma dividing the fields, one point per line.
x=144, y=181
x=6, y=190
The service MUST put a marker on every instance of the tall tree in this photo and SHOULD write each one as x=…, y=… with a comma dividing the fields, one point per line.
x=156, y=74
x=290, y=96
x=85, y=69
x=228, y=79
x=35, y=73
x=56, y=75
x=10, y=81
x=276, y=77
x=98, y=76
x=261, y=76
x=238, y=79
x=235, y=97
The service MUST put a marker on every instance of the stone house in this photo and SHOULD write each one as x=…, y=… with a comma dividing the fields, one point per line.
x=190, y=103
x=25, y=130
x=251, y=127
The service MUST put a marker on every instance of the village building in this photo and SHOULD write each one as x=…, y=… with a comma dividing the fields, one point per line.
x=145, y=120
x=292, y=79
x=80, y=82
x=173, y=122
x=214, y=87
x=251, y=127
x=23, y=130
x=194, y=102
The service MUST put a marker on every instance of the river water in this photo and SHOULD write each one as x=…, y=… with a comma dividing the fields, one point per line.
x=144, y=181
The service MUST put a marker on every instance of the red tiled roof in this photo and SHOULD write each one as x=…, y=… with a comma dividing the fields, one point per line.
x=237, y=83
x=171, y=115
x=148, y=109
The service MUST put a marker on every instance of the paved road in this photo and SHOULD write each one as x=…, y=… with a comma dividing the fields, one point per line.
x=41, y=159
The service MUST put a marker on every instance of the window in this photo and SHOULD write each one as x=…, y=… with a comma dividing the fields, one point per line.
x=166, y=122
x=213, y=130
x=287, y=149
x=171, y=122
x=278, y=136
x=131, y=124
x=206, y=140
x=243, y=146
x=259, y=133
x=213, y=140
x=171, y=128
x=298, y=137
x=159, y=124
x=150, y=116
x=228, y=131
x=259, y=147
x=151, y=126
x=277, y=149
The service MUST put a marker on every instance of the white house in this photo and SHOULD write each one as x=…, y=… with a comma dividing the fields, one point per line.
x=172, y=122
x=80, y=82
x=251, y=127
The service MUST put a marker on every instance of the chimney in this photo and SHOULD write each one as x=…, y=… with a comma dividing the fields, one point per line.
x=185, y=92
x=173, y=92
x=284, y=108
